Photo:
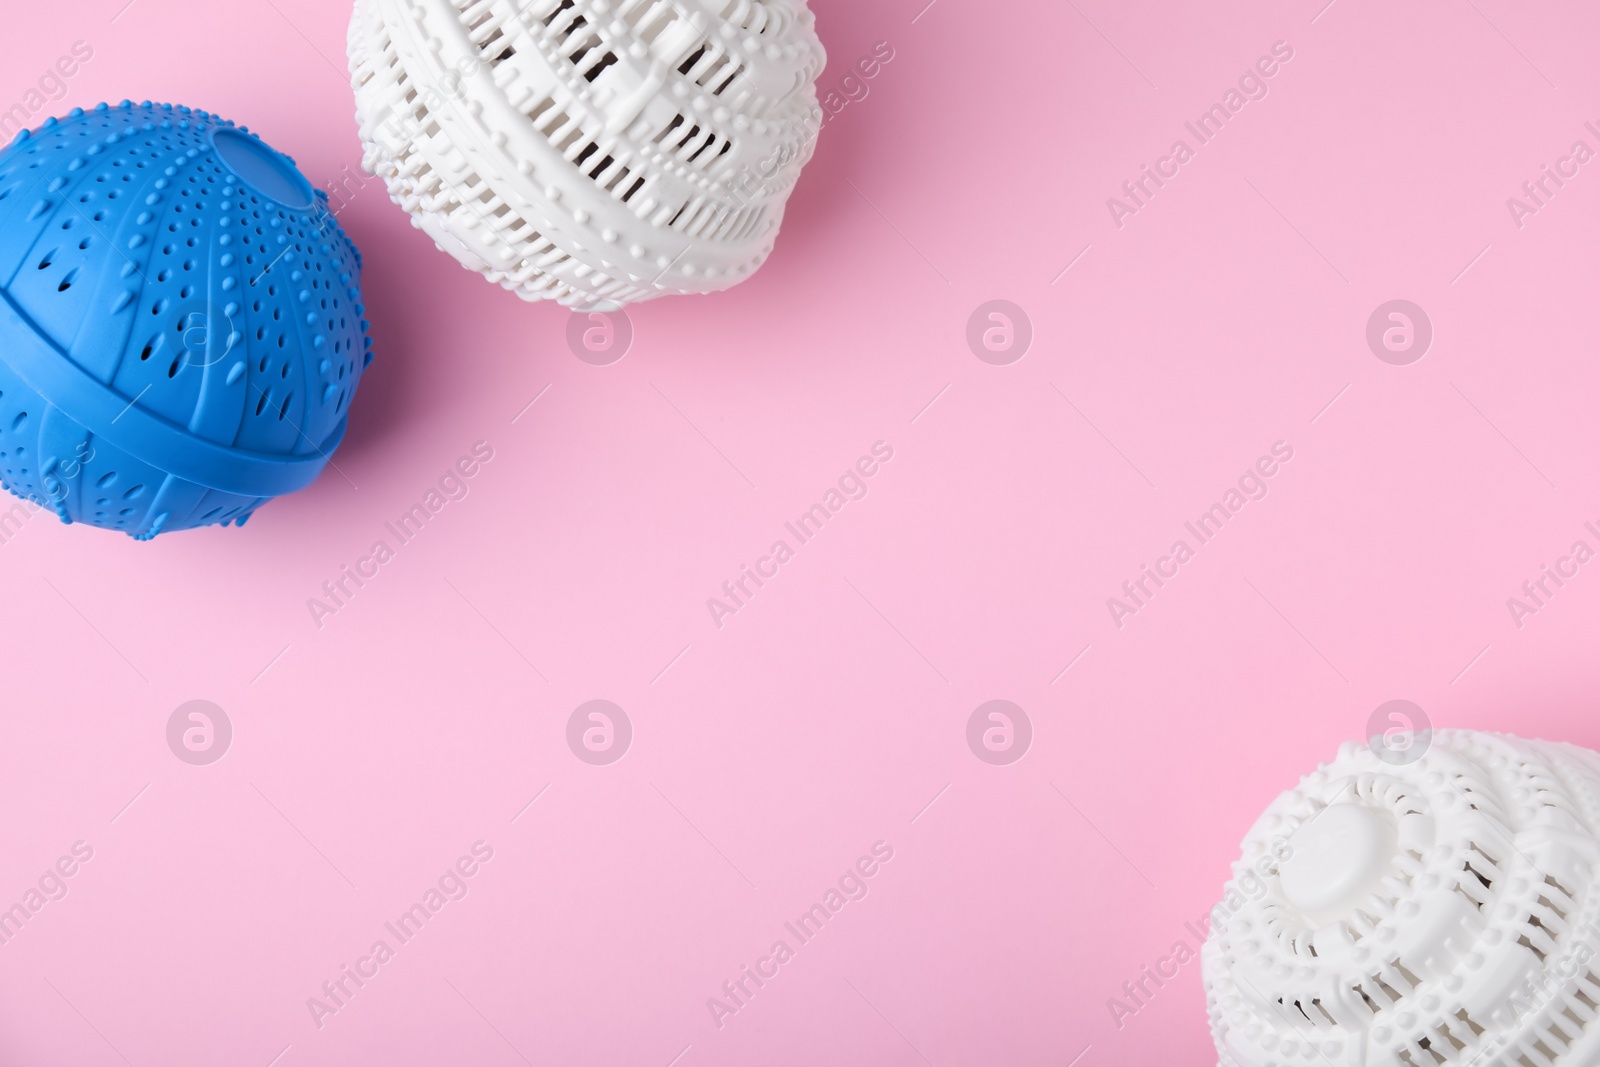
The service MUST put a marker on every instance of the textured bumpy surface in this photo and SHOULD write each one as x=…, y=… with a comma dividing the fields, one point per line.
x=180, y=321
x=593, y=152
x=1441, y=912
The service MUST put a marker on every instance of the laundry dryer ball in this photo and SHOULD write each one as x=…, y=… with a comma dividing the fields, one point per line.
x=1438, y=909
x=181, y=329
x=593, y=152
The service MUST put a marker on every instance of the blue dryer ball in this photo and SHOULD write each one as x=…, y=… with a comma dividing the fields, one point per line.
x=181, y=326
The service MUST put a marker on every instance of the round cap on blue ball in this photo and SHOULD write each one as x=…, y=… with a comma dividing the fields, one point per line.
x=181, y=329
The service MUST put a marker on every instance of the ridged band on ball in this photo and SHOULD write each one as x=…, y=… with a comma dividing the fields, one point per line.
x=52, y=374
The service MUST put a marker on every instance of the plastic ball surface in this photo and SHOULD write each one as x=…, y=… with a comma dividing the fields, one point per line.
x=181, y=327
x=592, y=152
x=1439, y=908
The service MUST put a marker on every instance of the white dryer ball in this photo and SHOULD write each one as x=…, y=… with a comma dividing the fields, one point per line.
x=592, y=152
x=1440, y=912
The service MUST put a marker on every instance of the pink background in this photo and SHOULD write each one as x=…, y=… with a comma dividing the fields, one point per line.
x=826, y=716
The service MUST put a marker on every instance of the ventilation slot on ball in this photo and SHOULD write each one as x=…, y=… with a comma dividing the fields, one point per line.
x=551, y=8
x=420, y=115
x=1564, y=1023
x=649, y=18
x=1478, y=799
x=711, y=68
x=577, y=41
x=1382, y=992
x=487, y=33
x=1435, y=1050
x=695, y=145
x=753, y=15
x=1544, y=928
x=1306, y=1012
x=582, y=49
x=563, y=132
x=1478, y=876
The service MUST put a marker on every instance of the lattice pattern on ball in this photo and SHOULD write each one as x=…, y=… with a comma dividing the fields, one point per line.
x=176, y=346
x=592, y=152
x=1437, y=914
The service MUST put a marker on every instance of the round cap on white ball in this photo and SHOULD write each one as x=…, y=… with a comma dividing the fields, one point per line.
x=1336, y=860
